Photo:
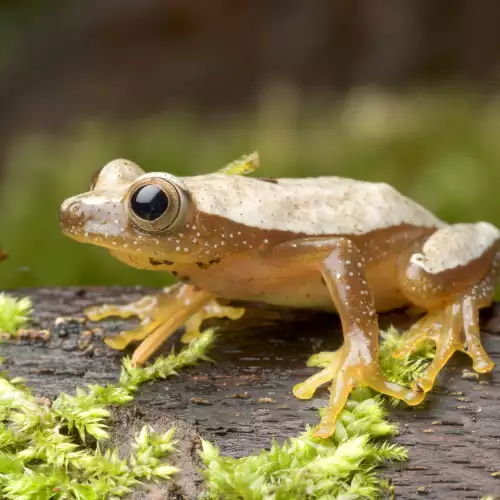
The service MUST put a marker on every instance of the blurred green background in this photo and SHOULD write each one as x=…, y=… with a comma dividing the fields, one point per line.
x=401, y=92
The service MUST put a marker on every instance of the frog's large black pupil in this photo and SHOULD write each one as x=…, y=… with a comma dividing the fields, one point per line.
x=149, y=202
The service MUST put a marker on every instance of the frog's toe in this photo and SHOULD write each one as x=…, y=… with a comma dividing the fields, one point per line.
x=340, y=390
x=423, y=384
x=98, y=313
x=378, y=382
x=142, y=308
x=322, y=359
x=448, y=342
x=330, y=361
x=481, y=362
x=459, y=332
x=349, y=369
x=483, y=365
x=342, y=386
x=349, y=378
x=213, y=309
x=126, y=337
x=304, y=391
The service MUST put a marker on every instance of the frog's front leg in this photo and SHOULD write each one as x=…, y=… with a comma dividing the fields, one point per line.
x=356, y=362
x=452, y=275
x=161, y=315
x=210, y=310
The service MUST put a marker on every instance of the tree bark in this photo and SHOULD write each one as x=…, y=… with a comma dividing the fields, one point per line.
x=244, y=399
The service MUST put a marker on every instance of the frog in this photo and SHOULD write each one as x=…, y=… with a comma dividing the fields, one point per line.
x=343, y=246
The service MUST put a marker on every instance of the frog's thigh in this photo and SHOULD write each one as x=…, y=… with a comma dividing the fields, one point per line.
x=451, y=275
x=435, y=270
x=356, y=363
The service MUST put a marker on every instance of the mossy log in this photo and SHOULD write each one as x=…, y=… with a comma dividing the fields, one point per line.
x=244, y=399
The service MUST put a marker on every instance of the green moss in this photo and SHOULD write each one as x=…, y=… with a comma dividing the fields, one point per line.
x=45, y=451
x=403, y=371
x=340, y=467
x=305, y=467
x=14, y=313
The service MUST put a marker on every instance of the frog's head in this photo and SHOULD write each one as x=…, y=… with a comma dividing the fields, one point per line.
x=133, y=214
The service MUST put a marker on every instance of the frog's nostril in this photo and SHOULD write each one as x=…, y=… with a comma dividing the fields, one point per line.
x=70, y=214
x=70, y=208
x=75, y=209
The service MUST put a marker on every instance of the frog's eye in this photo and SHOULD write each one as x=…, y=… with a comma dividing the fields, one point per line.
x=149, y=202
x=154, y=205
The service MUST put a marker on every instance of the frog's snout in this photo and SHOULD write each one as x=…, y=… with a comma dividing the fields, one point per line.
x=70, y=207
x=70, y=216
x=97, y=218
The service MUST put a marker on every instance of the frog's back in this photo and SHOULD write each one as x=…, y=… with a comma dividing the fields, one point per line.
x=311, y=206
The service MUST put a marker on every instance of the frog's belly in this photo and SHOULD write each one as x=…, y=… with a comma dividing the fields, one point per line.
x=298, y=288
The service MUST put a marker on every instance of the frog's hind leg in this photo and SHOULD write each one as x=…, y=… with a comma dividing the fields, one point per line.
x=452, y=296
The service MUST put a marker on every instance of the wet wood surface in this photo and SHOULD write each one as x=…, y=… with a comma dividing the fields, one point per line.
x=244, y=399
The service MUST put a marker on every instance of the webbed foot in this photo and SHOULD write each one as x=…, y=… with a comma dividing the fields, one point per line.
x=353, y=365
x=456, y=328
x=161, y=315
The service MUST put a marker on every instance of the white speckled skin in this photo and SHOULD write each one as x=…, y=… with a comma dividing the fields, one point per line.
x=312, y=206
x=464, y=243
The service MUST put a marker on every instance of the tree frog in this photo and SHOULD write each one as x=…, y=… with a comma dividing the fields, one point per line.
x=327, y=243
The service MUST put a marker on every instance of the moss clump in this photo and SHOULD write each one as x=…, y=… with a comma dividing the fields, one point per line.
x=14, y=313
x=340, y=467
x=45, y=451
